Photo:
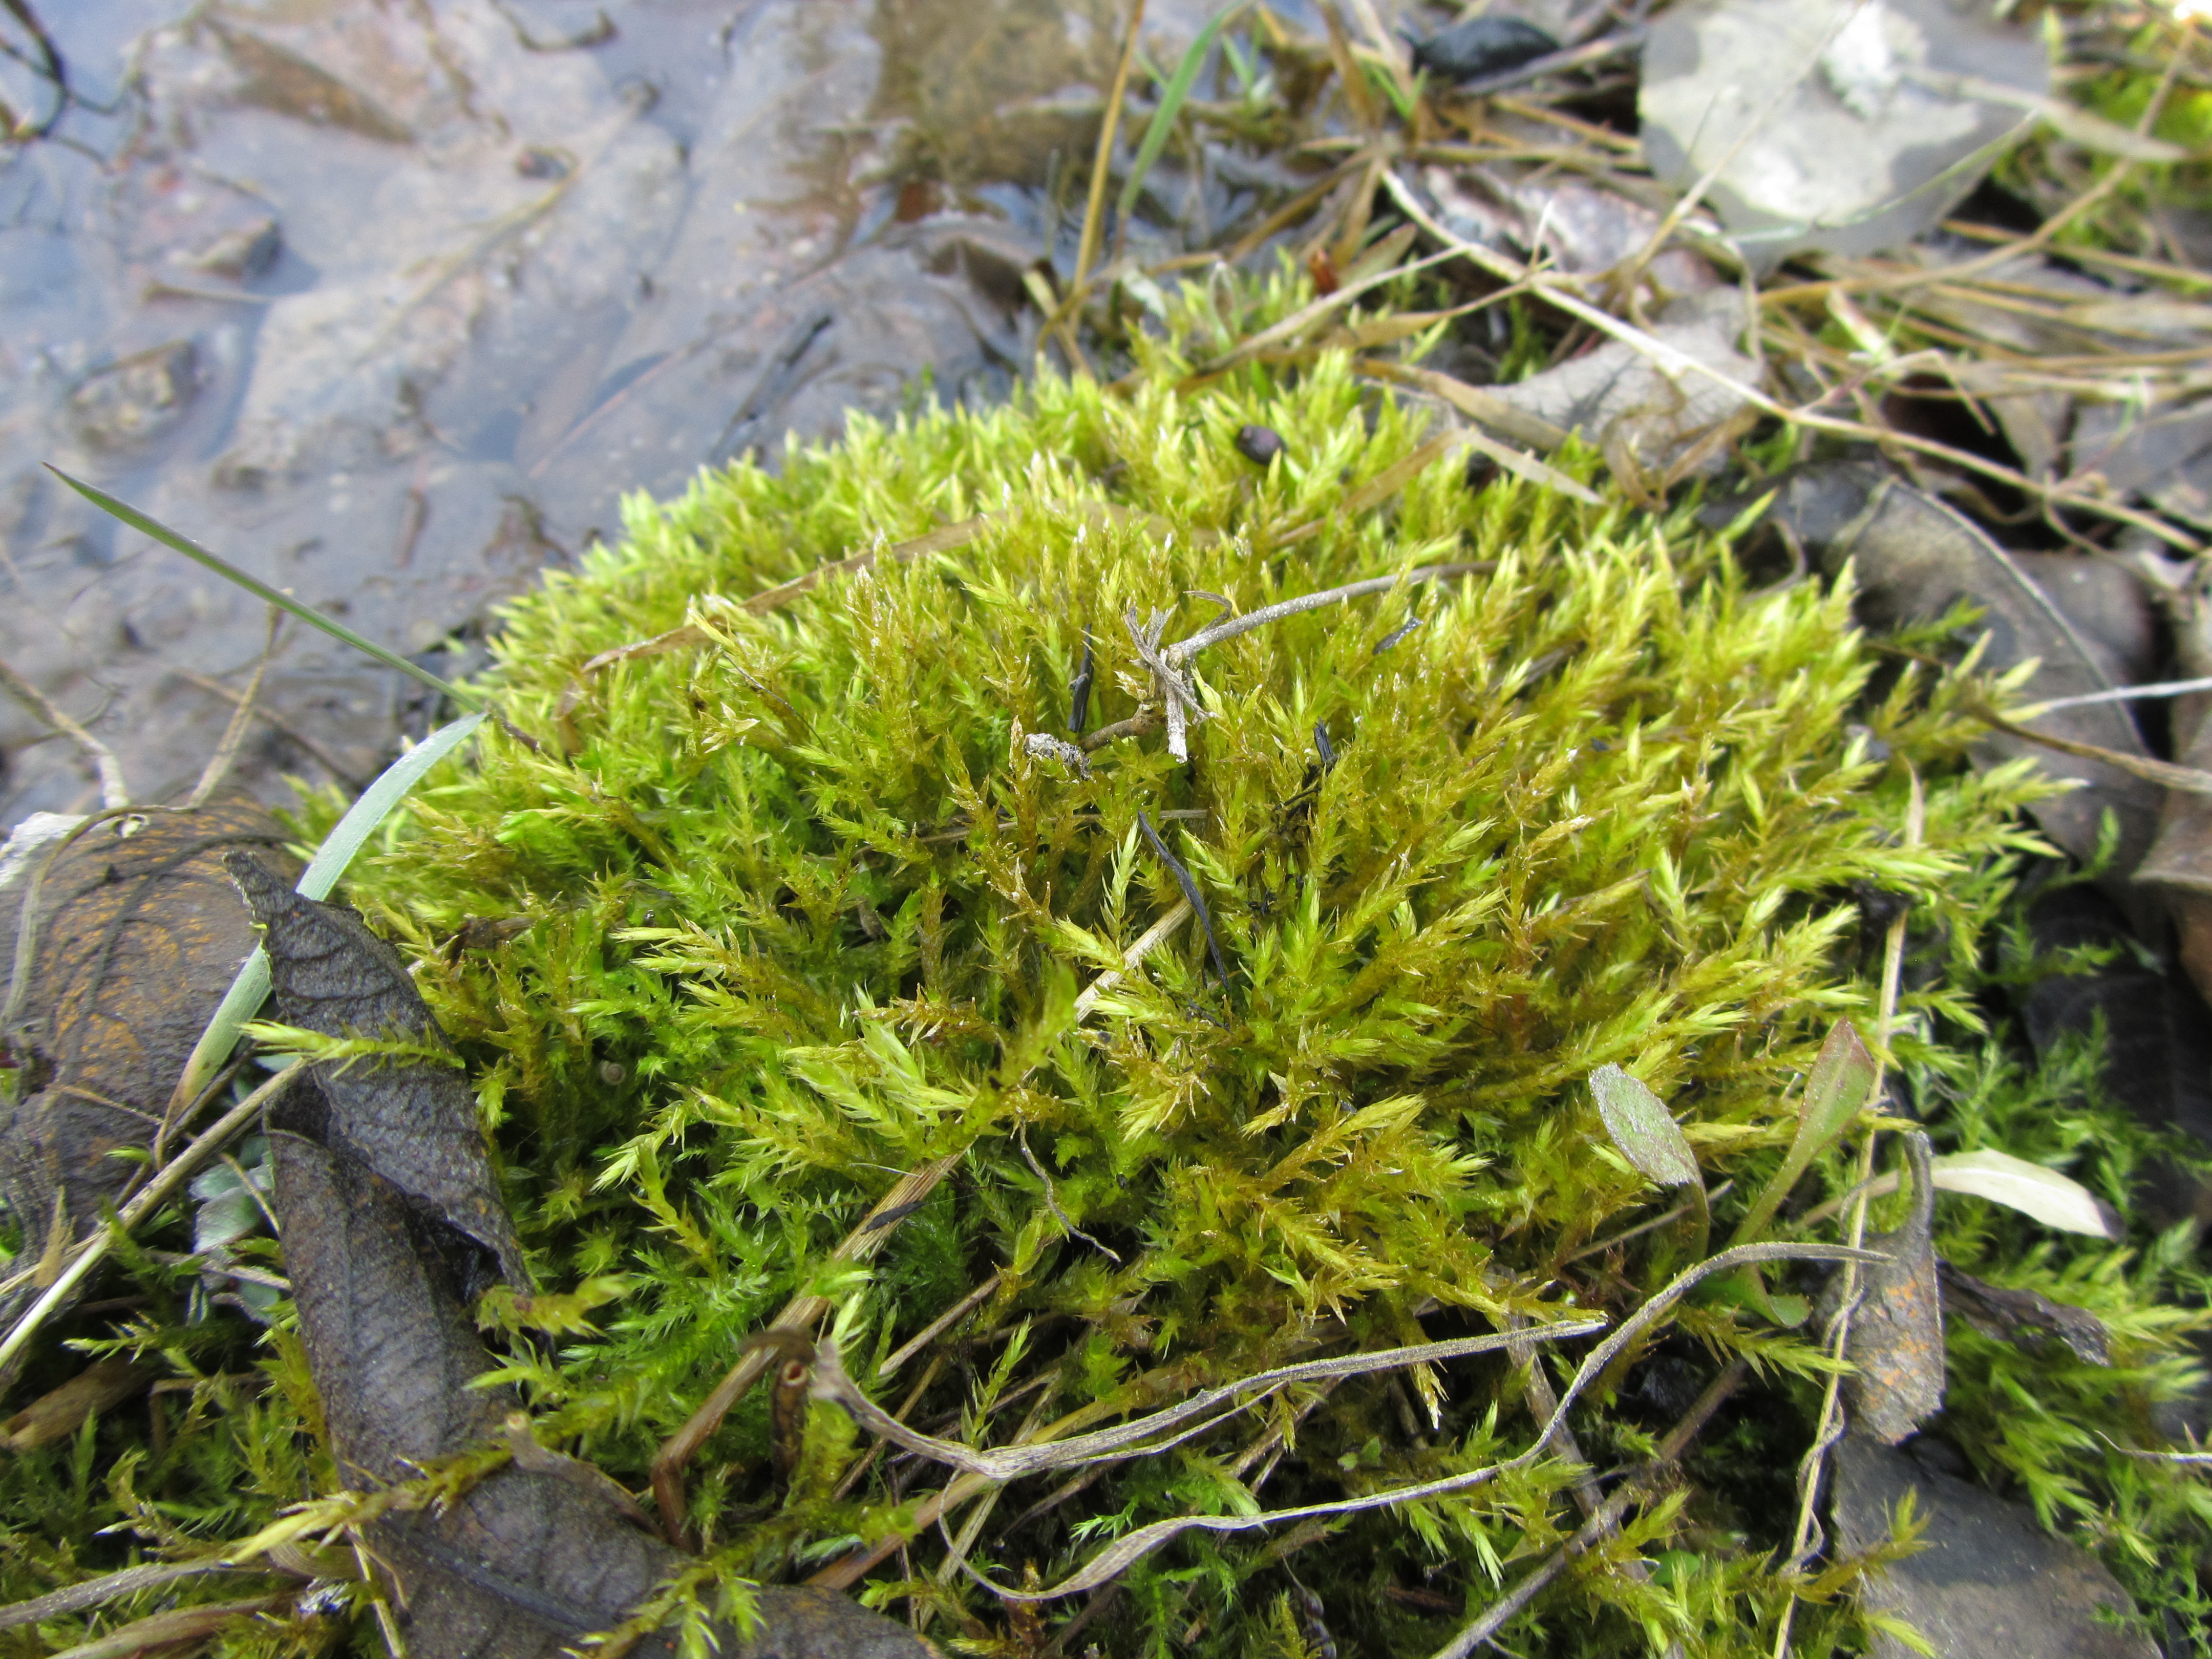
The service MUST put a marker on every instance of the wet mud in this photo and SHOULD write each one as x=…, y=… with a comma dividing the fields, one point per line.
x=394, y=302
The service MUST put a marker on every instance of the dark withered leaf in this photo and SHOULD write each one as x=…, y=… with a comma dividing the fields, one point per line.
x=412, y=1121
x=2021, y=1316
x=527, y=1560
x=1915, y=559
x=1482, y=46
x=136, y=934
x=1897, y=1331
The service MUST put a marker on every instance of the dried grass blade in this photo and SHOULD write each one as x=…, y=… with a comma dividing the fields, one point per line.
x=1137, y=1545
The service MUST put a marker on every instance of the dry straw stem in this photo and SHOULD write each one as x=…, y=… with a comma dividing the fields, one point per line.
x=800, y=1314
x=89, y=1253
x=114, y=791
x=1676, y=362
x=1142, y=1437
x=1830, y=1427
x=1600, y=1524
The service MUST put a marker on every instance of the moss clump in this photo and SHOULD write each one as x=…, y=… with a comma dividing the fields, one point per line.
x=810, y=909
x=810, y=912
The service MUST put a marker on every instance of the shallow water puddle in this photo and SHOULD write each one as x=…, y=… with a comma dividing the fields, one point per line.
x=393, y=302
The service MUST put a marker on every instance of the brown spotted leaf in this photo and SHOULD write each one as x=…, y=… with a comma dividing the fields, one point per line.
x=413, y=1121
x=1897, y=1330
x=525, y=1562
x=135, y=935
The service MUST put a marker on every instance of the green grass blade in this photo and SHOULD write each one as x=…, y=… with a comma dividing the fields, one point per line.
x=243, y=1001
x=1171, y=103
x=223, y=567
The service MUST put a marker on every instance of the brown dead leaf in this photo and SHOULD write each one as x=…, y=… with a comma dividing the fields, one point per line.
x=2021, y=1316
x=1897, y=1330
x=134, y=933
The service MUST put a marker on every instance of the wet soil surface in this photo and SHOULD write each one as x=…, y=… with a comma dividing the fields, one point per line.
x=393, y=302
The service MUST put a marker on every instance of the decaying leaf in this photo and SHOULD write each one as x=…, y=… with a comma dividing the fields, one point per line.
x=1644, y=415
x=412, y=1120
x=2055, y=1200
x=1850, y=126
x=1638, y=1122
x=2021, y=1316
x=1915, y=559
x=1896, y=1329
x=526, y=1560
x=133, y=933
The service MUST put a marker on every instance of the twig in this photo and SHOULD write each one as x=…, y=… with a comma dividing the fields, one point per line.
x=2122, y=693
x=322, y=757
x=1501, y=1613
x=1052, y=1198
x=113, y=791
x=1229, y=628
x=798, y=1316
x=1146, y=942
x=1010, y=1463
x=226, y=751
x=1556, y=62
x=173, y=1175
x=1094, y=210
x=113, y=1587
x=1674, y=361
x=1830, y=1427
x=943, y=1322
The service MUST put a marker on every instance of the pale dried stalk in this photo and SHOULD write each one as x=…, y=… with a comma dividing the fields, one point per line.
x=1830, y=1427
x=234, y=734
x=114, y=791
x=1503, y=1612
x=1675, y=362
x=1164, y=1430
x=171, y=1175
x=801, y=1312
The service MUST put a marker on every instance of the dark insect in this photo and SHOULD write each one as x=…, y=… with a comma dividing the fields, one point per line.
x=1482, y=46
x=1259, y=443
x=1326, y=750
x=1480, y=469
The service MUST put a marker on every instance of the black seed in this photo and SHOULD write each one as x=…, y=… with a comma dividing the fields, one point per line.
x=1482, y=46
x=1259, y=443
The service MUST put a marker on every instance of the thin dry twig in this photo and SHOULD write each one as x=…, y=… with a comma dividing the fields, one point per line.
x=1601, y=1523
x=226, y=751
x=1830, y=1428
x=114, y=791
x=92, y=1251
x=1674, y=362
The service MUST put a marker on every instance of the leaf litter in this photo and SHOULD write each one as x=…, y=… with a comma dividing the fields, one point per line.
x=724, y=1053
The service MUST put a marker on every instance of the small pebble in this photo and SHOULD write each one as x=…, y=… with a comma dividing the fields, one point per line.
x=1482, y=46
x=1259, y=443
